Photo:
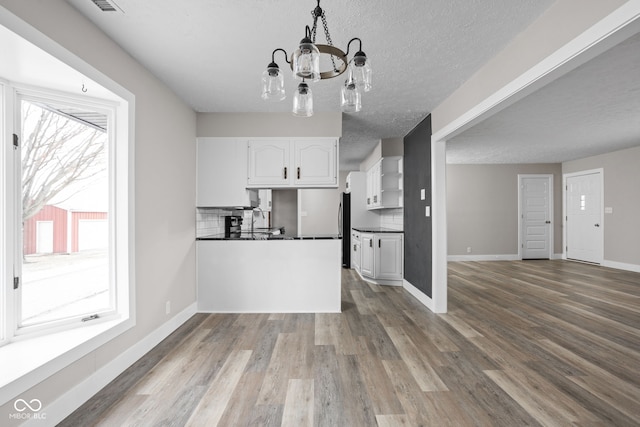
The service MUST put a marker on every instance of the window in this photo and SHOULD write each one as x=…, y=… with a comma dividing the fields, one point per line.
x=64, y=180
x=62, y=230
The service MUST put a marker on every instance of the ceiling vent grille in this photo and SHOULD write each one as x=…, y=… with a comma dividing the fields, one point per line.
x=107, y=5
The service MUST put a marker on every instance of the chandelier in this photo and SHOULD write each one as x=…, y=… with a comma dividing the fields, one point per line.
x=305, y=64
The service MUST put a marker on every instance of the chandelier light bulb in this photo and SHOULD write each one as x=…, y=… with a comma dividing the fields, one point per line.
x=350, y=98
x=360, y=71
x=306, y=60
x=303, y=101
x=273, y=84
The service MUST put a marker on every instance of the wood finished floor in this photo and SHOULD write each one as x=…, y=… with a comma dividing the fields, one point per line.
x=530, y=343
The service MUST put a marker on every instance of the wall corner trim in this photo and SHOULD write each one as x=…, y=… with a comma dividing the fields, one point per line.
x=419, y=295
x=78, y=395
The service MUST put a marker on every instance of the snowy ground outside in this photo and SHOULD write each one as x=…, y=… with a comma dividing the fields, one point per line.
x=56, y=286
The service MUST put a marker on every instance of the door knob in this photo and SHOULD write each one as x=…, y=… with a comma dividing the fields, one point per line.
x=547, y=222
x=597, y=225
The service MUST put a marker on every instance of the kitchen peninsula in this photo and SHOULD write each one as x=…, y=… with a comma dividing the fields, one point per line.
x=259, y=273
x=242, y=271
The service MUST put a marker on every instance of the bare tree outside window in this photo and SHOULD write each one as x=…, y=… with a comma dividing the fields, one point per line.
x=57, y=152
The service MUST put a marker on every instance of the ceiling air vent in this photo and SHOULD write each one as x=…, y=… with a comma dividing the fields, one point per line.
x=107, y=5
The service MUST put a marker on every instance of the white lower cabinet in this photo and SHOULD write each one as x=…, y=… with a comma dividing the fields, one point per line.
x=388, y=256
x=367, y=261
x=356, y=250
x=381, y=257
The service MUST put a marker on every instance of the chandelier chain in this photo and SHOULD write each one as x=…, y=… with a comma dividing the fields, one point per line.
x=326, y=33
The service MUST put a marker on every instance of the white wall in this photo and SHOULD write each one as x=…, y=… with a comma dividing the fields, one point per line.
x=165, y=132
x=622, y=193
x=269, y=124
x=482, y=208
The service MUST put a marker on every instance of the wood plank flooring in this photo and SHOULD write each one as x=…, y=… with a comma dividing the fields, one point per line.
x=524, y=343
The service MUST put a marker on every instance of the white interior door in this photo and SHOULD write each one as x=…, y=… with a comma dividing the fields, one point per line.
x=584, y=217
x=536, y=214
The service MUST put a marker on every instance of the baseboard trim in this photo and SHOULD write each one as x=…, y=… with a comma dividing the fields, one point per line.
x=419, y=295
x=504, y=257
x=621, y=266
x=78, y=395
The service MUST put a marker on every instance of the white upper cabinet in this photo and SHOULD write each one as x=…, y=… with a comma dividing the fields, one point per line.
x=289, y=163
x=315, y=163
x=385, y=184
x=221, y=173
x=269, y=163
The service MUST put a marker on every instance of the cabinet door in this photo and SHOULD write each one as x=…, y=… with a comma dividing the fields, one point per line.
x=374, y=190
x=315, y=163
x=369, y=189
x=221, y=171
x=388, y=256
x=367, y=255
x=269, y=164
x=356, y=250
x=377, y=184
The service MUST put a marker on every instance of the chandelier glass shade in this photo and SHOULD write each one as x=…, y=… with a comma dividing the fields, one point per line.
x=273, y=84
x=350, y=98
x=303, y=101
x=305, y=65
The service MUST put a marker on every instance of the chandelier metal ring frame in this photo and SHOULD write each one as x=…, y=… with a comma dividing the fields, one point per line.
x=305, y=64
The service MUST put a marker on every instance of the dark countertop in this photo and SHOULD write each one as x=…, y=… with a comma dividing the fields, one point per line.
x=376, y=230
x=269, y=236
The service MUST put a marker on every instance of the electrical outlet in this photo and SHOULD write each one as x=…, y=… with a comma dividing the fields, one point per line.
x=468, y=249
x=167, y=308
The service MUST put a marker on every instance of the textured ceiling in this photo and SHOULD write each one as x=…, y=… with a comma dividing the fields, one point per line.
x=212, y=53
x=592, y=110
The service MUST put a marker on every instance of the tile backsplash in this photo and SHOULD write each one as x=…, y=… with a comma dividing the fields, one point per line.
x=210, y=221
x=392, y=218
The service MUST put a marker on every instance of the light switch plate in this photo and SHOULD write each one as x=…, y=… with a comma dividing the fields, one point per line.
x=608, y=210
x=427, y=211
x=423, y=194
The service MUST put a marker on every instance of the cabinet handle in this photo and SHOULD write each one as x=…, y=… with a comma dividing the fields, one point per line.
x=371, y=243
x=375, y=199
x=379, y=243
x=285, y=172
x=368, y=200
x=354, y=248
x=298, y=172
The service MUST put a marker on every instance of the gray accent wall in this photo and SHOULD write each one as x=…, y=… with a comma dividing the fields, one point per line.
x=621, y=172
x=417, y=227
x=482, y=208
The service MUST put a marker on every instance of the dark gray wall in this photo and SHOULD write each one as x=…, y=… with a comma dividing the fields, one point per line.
x=417, y=227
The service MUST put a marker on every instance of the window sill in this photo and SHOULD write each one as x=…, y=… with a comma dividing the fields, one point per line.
x=28, y=362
